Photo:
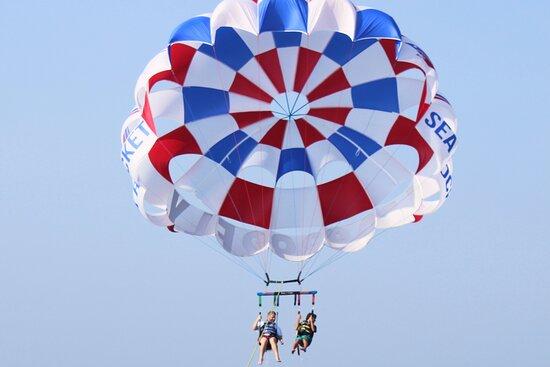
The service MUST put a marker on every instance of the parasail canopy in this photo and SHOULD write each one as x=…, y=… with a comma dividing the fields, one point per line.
x=286, y=126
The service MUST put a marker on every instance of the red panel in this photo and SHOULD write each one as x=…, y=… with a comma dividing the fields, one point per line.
x=418, y=218
x=166, y=75
x=404, y=132
x=308, y=132
x=337, y=115
x=307, y=59
x=249, y=203
x=334, y=83
x=390, y=47
x=175, y=143
x=147, y=115
x=400, y=66
x=275, y=135
x=245, y=87
x=180, y=59
x=423, y=108
x=269, y=61
x=343, y=198
x=245, y=119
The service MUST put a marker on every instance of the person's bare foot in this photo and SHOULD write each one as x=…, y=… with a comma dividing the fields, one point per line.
x=260, y=362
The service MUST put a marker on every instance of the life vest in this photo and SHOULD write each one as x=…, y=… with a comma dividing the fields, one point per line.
x=269, y=328
x=304, y=328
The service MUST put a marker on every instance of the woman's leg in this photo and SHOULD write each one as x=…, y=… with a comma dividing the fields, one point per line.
x=263, y=345
x=305, y=344
x=275, y=347
x=294, y=346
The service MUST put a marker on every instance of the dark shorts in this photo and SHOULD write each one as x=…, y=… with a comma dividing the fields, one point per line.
x=304, y=337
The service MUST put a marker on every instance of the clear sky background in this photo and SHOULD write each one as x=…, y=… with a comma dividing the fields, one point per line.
x=85, y=281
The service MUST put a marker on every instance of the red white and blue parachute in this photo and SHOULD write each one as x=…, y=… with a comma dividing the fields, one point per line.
x=286, y=126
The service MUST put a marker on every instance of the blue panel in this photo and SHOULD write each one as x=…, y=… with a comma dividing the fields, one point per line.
x=353, y=155
x=283, y=15
x=372, y=23
x=199, y=103
x=231, y=49
x=207, y=50
x=194, y=29
x=237, y=157
x=380, y=95
x=341, y=49
x=222, y=148
x=368, y=145
x=287, y=39
x=294, y=159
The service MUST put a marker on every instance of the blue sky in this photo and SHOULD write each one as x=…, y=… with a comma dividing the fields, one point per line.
x=85, y=281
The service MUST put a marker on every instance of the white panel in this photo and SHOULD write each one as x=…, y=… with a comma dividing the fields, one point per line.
x=136, y=147
x=241, y=239
x=410, y=96
x=435, y=190
x=297, y=230
x=322, y=153
x=239, y=14
x=160, y=62
x=240, y=103
x=410, y=54
x=292, y=137
x=326, y=128
x=209, y=131
x=288, y=58
x=265, y=42
x=352, y=234
x=371, y=64
x=317, y=41
x=338, y=99
x=374, y=124
x=158, y=189
x=266, y=157
x=380, y=175
x=400, y=211
x=190, y=219
x=167, y=104
x=296, y=208
x=332, y=15
x=131, y=122
x=156, y=214
x=438, y=128
x=297, y=245
x=431, y=185
x=208, y=72
x=210, y=181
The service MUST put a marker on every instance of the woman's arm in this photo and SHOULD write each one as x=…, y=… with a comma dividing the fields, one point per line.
x=256, y=324
x=298, y=319
x=312, y=325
